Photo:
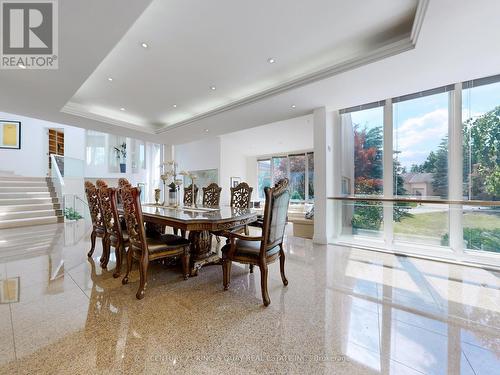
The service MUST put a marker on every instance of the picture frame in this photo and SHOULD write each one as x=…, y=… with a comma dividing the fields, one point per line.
x=235, y=181
x=10, y=135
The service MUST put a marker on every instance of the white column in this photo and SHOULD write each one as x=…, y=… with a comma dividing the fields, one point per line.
x=388, y=183
x=455, y=168
x=323, y=172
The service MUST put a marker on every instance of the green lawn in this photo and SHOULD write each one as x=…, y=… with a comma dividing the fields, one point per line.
x=435, y=224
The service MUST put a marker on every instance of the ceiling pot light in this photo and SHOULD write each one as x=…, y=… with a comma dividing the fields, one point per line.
x=213, y=88
x=175, y=106
x=122, y=109
x=293, y=106
x=144, y=45
x=110, y=79
x=271, y=60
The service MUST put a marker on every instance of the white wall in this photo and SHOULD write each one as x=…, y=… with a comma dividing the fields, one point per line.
x=32, y=158
x=235, y=154
x=199, y=155
x=233, y=164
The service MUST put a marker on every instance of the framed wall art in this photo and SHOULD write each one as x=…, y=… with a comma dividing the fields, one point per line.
x=235, y=181
x=10, y=134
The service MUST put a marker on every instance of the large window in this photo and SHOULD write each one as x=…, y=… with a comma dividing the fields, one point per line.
x=264, y=176
x=362, y=169
x=435, y=141
x=310, y=175
x=421, y=166
x=298, y=168
x=298, y=176
x=481, y=173
x=421, y=146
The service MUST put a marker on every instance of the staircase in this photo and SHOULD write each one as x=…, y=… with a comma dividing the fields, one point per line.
x=26, y=201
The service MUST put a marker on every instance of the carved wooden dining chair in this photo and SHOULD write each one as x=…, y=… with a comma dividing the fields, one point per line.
x=265, y=249
x=241, y=195
x=240, y=198
x=115, y=236
x=211, y=195
x=98, y=229
x=145, y=249
x=188, y=195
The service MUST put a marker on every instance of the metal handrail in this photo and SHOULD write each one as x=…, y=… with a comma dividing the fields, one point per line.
x=415, y=200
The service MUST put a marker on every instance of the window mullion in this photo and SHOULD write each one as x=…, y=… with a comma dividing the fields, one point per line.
x=388, y=172
x=455, y=168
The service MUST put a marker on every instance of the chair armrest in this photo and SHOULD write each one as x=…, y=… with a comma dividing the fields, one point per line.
x=232, y=235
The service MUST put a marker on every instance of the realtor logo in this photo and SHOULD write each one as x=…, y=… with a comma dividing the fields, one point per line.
x=29, y=37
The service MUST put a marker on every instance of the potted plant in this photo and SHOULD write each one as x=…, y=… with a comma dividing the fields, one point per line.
x=121, y=155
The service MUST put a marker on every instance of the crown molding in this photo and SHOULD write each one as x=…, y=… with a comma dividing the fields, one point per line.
x=78, y=110
x=419, y=20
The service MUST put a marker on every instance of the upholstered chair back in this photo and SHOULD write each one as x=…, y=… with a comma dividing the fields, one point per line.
x=276, y=212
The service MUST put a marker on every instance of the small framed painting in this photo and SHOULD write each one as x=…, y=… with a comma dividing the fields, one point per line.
x=10, y=134
x=235, y=181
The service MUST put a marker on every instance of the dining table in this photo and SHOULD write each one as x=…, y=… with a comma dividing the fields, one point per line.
x=200, y=222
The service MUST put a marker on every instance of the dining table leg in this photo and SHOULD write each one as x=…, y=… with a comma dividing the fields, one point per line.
x=201, y=251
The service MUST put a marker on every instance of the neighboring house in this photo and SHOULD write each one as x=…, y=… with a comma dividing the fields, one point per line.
x=418, y=184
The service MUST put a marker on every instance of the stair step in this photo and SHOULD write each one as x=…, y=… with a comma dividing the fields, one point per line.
x=29, y=207
x=14, y=223
x=20, y=201
x=20, y=189
x=23, y=183
x=26, y=195
x=22, y=178
x=28, y=214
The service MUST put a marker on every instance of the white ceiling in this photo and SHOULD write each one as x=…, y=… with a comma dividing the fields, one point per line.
x=195, y=44
x=228, y=46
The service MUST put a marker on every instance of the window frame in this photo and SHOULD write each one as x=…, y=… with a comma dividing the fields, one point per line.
x=287, y=156
x=455, y=251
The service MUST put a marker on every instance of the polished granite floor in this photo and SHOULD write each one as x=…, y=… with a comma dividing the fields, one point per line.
x=345, y=311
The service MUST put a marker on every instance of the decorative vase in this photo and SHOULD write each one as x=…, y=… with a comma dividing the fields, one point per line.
x=123, y=168
x=157, y=196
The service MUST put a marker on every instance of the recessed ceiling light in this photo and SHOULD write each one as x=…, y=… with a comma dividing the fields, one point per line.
x=110, y=79
x=122, y=109
x=206, y=130
x=144, y=45
x=175, y=106
x=293, y=106
x=213, y=88
x=271, y=60
x=22, y=66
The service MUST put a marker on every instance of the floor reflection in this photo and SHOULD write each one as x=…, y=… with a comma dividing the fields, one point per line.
x=344, y=311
